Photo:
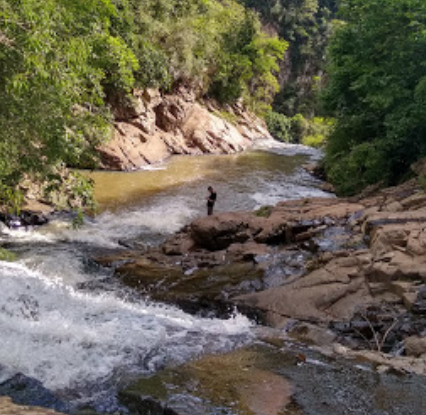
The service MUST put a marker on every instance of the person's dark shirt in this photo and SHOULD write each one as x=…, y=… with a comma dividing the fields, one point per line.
x=212, y=199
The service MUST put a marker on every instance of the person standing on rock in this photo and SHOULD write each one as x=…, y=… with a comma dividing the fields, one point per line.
x=211, y=199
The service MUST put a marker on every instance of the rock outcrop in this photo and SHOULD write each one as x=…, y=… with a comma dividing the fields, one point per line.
x=156, y=126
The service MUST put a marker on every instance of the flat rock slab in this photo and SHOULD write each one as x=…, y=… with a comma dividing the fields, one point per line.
x=240, y=382
x=7, y=407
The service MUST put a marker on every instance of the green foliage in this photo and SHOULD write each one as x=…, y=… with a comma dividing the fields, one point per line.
x=6, y=255
x=12, y=198
x=56, y=57
x=69, y=190
x=264, y=211
x=217, y=46
x=279, y=126
x=364, y=165
x=228, y=116
x=377, y=92
x=317, y=132
x=298, y=129
x=306, y=25
x=422, y=182
x=62, y=62
x=78, y=220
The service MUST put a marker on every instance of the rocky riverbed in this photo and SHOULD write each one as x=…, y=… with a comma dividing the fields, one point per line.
x=335, y=290
x=344, y=276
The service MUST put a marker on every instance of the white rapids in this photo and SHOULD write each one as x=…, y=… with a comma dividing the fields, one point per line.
x=68, y=339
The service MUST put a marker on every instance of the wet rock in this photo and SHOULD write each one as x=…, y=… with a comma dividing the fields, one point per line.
x=27, y=391
x=205, y=291
x=287, y=222
x=415, y=346
x=312, y=334
x=419, y=306
x=248, y=251
x=140, y=405
x=236, y=382
x=306, y=260
x=7, y=407
x=24, y=219
x=220, y=231
x=179, y=244
x=380, y=327
x=328, y=293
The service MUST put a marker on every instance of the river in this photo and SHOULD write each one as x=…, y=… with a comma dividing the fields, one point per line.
x=68, y=324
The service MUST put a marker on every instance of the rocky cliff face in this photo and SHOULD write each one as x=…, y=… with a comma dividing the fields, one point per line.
x=156, y=126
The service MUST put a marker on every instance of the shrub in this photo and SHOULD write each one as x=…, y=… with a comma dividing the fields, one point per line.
x=279, y=126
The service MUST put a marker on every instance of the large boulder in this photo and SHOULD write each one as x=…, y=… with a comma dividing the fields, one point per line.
x=220, y=231
x=151, y=127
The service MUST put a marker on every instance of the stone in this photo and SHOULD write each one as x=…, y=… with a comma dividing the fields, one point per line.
x=415, y=346
x=29, y=391
x=311, y=334
x=394, y=206
x=153, y=126
x=7, y=407
x=224, y=383
x=419, y=305
x=323, y=295
x=414, y=202
x=220, y=231
x=180, y=244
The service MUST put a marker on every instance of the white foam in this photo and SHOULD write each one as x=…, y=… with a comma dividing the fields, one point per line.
x=67, y=338
x=153, y=167
x=287, y=149
x=108, y=228
x=25, y=235
x=299, y=186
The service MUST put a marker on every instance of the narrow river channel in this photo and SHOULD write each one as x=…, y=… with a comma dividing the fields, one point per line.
x=68, y=324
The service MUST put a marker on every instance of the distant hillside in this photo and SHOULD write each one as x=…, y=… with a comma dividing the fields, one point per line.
x=306, y=25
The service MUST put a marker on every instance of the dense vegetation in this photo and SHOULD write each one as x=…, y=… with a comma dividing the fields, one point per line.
x=61, y=61
x=377, y=92
x=307, y=26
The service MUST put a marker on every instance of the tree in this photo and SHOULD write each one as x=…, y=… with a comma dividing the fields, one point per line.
x=377, y=92
x=62, y=62
x=56, y=57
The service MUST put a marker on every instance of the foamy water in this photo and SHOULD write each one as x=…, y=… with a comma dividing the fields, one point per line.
x=71, y=339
